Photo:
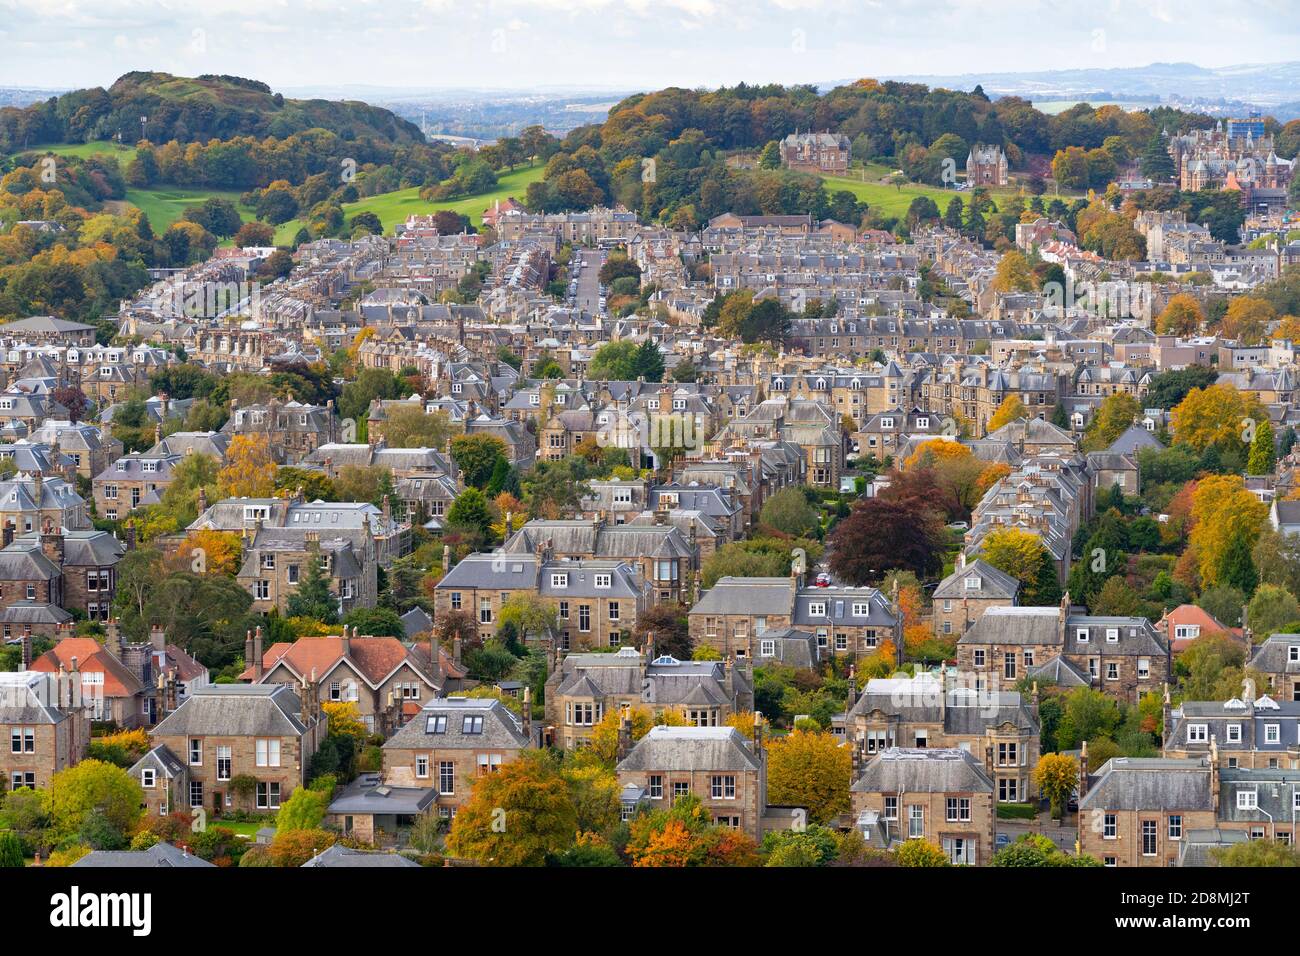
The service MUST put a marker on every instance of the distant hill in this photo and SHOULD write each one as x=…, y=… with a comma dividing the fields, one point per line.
x=189, y=110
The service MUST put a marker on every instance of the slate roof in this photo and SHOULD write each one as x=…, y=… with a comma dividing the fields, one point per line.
x=756, y=596
x=501, y=729
x=994, y=583
x=682, y=749
x=1274, y=655
x=235, y=710
x=25, y=698
x=933, y=770
x=342, y=856
x=159, y=855
x=1133, y=783
x=1014, y=625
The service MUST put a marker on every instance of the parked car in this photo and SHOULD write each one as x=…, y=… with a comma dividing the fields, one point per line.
x=1003, y=839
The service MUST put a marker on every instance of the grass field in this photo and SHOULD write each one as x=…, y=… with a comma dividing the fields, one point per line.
x=83, y=150
x=393, y=208
x=165, y=204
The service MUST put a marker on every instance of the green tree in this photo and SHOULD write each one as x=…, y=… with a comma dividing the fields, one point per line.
x=313, y=598
x=790, y=512
x=1263, y=452
x=1271, y=609
x=304, y=810
x=93, y=787
x=470, y=510
x=616, y=362
x=649, y=362
x=476, y=457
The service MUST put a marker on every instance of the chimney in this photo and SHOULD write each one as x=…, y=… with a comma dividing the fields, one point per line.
x=624, y=737
x=130, y=536
x=1214, y=773
x=38, y=483
x=203, y=499
x=113, y=638
x=527, y=713
x=853, y=694
x=988, y=762
x=7, y=536
x=26, y=643
x=455, y=649
x=758, y=735
x=305, y=699
x=257, y=654
x=1083, y=771
x=510, y=520
x=52, y=542
x=158, y=639
x=446, y=558
x=248, y=649
x=345, y=646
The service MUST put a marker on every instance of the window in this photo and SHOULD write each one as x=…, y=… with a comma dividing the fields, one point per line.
x=196, y=793
x=1198, y=733
x=1009, y=665
x=1175, y=826
x=1247, y=800
x=455, y=600
x=471, y=724
x=446, y=777
x=1272, y=733
x=1112, y=670
x=1144, y=668
x=891, y=808
x=559, y=580
x=293, y=574
x=915, y=822
x=656, y=787
x=681, y=788
x=263, y=590
x=767, y=648
x=485, y=610
x=584, y=617
x=1081, y=634
x=1029, y=658
x=1234, y=733
x=817, y=609
x=603, y=580
x=1007, y=754
x=861, y=609
x=1112, y=635
x=488, y=763
x=22, y=740
x=958, y=809
x=564, y=610
x=613, y=610
x=1148, y=838
x=267, y=752
x=223, y=763
x=1109, y=827
x=724, y=788
x=196, y=752
x=436, y=724
x=268, y=795
x=422, y=766
x=148, y=778
x=1008, y=790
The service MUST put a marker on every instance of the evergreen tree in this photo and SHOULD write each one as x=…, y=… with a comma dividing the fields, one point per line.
x=649, y=362
x=1046, y=589
x=952, y=217
x=1157, y=165
x=470, y=510
x=313, y=598
x=1238, y=567
x=1059, y=418
x=1288, y=436
x=504, y=478
x=1262, y=453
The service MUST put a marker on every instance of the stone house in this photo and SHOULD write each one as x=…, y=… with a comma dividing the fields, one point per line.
x=943, y=796
x=962, y=598
x=47, y=727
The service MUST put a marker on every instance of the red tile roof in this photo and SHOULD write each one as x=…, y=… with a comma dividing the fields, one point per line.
x=372, y=657
x=91, y=658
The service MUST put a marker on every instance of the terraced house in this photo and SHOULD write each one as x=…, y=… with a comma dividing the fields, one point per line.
x=47, y=728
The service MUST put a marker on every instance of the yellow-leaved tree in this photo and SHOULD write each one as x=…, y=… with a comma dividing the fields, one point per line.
x=1012, y=409
x=809, y=770
x=1182, y=316
x=1015, y=551
x=1056, y=776
x=1215, y=416
x=1227, y=521
x=250, y=468
x=208, y=551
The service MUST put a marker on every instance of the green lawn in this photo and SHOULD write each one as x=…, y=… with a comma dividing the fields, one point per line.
x=165, y=204
x=393, y=208
x=245, y=829
x=83, y=150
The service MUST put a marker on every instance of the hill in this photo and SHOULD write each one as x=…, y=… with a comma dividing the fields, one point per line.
x=192, y=109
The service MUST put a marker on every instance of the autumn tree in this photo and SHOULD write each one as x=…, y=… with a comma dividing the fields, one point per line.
x=208, y=551
x=517, y=816
x=1056, y=776
x=1012, y=409
x=1215, y=416
x=671, y=629
x=93, y=788
x=1226, y=518
x=1182, y=316
x=603, y=742
x=1247, y=320
x=412, y=427
x=1116, y=414
x=1268, y=853
x=250, y=468
x=809, y=770
x=920, y=853
x=1017, y=552
x=476, y=456
x=685, y=835
x=1013, y=274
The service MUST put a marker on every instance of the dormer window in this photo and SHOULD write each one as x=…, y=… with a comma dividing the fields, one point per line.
x=1081, y=634
x=1112, y=635
x=652, y=404
x=1293, y=653
x=817, y=609
x=973, y=582
x=679, y=404
x=436, y=724
x=560, y=580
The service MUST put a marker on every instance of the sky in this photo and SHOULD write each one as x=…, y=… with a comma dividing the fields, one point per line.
x=621, y=44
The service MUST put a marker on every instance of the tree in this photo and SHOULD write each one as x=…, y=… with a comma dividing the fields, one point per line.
x=476, y=456
x=250, y=468
x=1017, y=552
x=414, y=428
x=1256, y=853
x=1036, y=850
x=1271, y=610
x=517, y=816
x=208, y=551
x=470, y=510
x=770, y=157
x=685, y=835
x=529, y=614
x=293, y=848
x=254, y=234
x=1214, y=417
x=1263, y=452
x=11, y=850
x=603, y=743
x=809, y=770
x=615, y=361
x=1169, y=388
x=1116, y=414
x=93, y=787
x=895, y=529
x=375, y=622
x=73, y=399
x=1056, y=777
x=649, y=362
x=1227, y=518
x=789, y=512
x=1013, y=274
x=304, y=810
x=1182, y=316
x=920, y=853
x=313, y=598
x=1012, y=409
x=670, y=627
x=1247, y=320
